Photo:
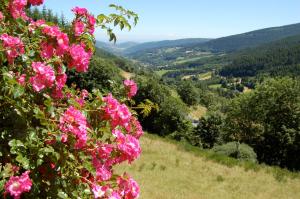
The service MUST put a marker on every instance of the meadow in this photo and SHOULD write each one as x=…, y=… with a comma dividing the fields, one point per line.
x=167, y=170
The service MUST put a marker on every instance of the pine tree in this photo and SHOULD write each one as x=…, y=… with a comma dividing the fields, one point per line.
x=44, y=12
x=49, y=15
x=36, y=14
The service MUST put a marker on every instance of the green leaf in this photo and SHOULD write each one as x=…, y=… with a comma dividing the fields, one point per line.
x=23, y=161
x=62, y=195
x=18, y=92
x=15, y=146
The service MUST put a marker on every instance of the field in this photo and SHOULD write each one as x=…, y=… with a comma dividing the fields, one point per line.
x=162, y=72
x=126, y=75
x=166, y=170
x=205, y=76
x=198, y=57
x=197, y=112
x=215, y=86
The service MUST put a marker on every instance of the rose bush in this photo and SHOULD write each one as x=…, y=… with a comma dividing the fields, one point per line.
x=57, y=141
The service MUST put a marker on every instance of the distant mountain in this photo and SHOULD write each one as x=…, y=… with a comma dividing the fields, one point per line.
x=157, y=54
x=117, y=48
x=126, y=45
x=164, y=44
x=276, y=59
x=249, y=39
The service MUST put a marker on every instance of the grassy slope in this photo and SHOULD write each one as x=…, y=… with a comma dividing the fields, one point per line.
x=167, y=171
x=197, y=112
x=126, y=75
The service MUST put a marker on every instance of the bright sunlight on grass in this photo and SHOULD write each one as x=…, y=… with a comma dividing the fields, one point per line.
x=166, y=171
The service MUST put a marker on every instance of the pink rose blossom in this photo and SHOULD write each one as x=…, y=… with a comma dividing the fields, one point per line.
x=73, y=121
x=137, y=131
x=99, y=191
x=36, y=2
x=52, y=31
x=115, y=195
x=103, y=170
x=128, y=145
x=13, y=46
x=64, y=138
x=57, y=93
x=21, y=79
x=80, y=11
x=62, y=39
x=80, y=58
x=104, y=151
x=60, y=82
x=35, y=24
x=47, y=50
x=92, y=22
x=44, y=77
x=17, y=185
x=130, y=87
x=1, y=16
x=118, y=114
x=129, y=187
x=84, y=94
x=79, y=28
x=17, y=9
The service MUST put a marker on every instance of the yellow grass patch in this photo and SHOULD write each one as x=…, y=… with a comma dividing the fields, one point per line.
x=166, y=172
x=197, y=112
x=126, y=75
x=205, y=76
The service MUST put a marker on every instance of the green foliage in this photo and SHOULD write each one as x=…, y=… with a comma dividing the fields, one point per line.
x=146, y=107
x=49, y=16
x=268, y=119
x=103, y=74
x=236, y=150
x=277, y=59
x=188, y=93
x=121, y=19
x=208, y=131
x=170, y=116
x=250, y=39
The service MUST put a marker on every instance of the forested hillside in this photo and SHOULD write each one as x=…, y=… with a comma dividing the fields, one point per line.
x=250, y=39
x=276, y=59
x=164, y=56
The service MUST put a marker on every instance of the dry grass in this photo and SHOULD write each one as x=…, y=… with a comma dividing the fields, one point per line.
x=205, y=76
x=186, y=77
x=166, y=172
x=126, y=75
x=197, y=112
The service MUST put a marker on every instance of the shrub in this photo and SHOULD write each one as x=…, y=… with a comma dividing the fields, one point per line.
x=236, y=150
x=57, y=141
x=208, y=131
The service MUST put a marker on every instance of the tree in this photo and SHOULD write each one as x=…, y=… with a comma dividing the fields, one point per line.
x=208, y=131
x=268, y=119
x=188, y=93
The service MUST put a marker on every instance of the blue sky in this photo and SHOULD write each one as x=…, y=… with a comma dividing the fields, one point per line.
x=174, y=19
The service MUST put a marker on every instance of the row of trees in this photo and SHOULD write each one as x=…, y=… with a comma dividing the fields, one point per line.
x=267, y=119
x=48, y=15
